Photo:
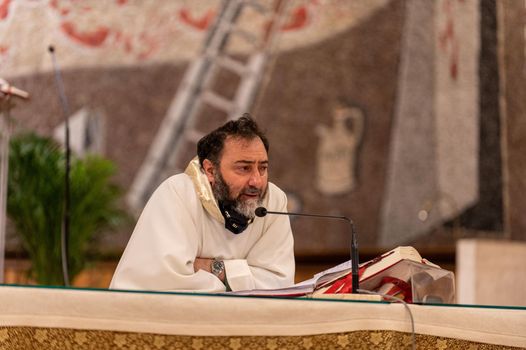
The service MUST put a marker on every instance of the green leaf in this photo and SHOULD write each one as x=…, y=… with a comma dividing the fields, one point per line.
x=35, y=203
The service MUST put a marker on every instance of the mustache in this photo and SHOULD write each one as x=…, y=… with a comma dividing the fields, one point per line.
x=252, y=191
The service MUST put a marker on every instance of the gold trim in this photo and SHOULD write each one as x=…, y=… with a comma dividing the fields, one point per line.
x=203, y=189
x=60, y=338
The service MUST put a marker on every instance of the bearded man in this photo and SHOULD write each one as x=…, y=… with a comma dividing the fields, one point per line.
x=198, y=231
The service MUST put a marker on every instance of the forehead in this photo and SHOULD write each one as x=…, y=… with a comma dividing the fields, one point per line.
x=236, y=149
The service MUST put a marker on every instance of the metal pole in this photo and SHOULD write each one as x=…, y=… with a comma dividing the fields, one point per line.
x=64, y=237
x=5, y=133
x=6, y=91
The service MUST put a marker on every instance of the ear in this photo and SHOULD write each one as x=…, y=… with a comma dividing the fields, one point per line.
x=209, y=169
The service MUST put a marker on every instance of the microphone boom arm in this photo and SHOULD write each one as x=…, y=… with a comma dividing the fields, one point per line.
x=354, y=245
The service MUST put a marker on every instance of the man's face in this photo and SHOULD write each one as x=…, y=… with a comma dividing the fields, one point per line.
x=242, y=177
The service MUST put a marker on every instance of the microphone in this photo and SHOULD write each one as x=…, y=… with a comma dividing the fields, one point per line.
x=261, y=212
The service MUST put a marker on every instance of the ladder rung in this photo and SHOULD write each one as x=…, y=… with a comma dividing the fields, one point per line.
x=246, y=35
x=256, y=5
x=217, y=101
x=227, y=62
x=231, y=29
x=232, y=64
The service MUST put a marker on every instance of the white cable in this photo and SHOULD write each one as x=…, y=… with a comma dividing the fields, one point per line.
x=413, y=338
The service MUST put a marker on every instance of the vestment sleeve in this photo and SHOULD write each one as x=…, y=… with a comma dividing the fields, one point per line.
x=162, y=249
x=270, y=263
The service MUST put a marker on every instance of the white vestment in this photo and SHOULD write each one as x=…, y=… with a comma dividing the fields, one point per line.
x=181, y=222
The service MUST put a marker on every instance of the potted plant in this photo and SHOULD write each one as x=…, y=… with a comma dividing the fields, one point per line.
x=35, y=204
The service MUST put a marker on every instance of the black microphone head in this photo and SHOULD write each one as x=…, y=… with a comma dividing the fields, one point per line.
x=51, y=48
x=260, y=212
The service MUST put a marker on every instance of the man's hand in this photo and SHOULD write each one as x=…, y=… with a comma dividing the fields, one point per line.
x=206, y=265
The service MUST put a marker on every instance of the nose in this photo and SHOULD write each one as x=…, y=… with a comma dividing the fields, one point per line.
x=255, y=179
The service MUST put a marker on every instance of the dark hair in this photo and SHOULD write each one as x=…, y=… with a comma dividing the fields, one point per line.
x=210, y=146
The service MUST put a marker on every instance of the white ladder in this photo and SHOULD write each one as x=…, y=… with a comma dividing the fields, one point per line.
x=195, y=92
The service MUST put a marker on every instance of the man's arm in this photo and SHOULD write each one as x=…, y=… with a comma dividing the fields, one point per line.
x=206, y=265
x=162, y=249
x=270, y=261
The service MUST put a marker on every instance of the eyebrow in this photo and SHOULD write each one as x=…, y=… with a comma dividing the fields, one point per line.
x=250, y=162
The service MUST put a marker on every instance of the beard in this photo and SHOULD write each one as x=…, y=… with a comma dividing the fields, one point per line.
x=245, y=207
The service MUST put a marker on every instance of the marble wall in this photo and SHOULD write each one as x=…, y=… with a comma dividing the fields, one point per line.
x=414, y=109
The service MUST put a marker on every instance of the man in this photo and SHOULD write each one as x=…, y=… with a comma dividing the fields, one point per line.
x=198, y=231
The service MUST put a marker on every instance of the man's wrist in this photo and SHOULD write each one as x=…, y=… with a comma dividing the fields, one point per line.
x=217, y=267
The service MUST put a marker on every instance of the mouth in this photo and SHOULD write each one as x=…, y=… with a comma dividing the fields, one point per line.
x=250, y=195
x=255, y=194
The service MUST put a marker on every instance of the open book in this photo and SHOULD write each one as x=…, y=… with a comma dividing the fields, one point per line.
x=337, y=279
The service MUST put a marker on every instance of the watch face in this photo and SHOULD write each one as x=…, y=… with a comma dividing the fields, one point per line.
x=217, y=267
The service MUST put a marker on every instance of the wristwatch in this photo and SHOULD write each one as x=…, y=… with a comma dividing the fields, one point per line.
x=217, y=267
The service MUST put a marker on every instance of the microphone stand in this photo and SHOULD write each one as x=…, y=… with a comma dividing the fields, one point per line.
x=354, y=245
x=64, y=238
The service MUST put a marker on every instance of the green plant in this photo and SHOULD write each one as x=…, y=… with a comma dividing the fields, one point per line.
x=35, y=204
